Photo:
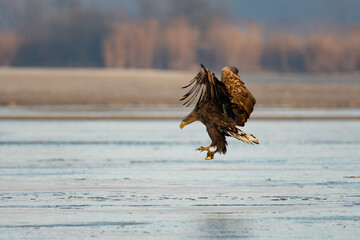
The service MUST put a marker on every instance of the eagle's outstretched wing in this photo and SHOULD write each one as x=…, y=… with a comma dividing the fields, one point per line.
x=242, y=101
x=210, y=89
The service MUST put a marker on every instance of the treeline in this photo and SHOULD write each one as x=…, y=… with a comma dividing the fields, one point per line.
x=70, y=33
x=181, y=45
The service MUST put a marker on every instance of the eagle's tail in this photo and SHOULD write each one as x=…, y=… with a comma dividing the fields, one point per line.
x=243, y=136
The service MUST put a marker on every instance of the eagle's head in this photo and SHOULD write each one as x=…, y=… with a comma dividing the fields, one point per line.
x=231, y=69
x=234, y=70
x=192, y=117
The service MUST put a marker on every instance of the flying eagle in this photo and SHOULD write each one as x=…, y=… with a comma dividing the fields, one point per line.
x=221, y=106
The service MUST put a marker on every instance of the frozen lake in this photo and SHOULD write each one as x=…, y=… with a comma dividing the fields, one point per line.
x=144, y=180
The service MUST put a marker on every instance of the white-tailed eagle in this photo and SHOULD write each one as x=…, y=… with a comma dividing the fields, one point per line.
x=221, y=106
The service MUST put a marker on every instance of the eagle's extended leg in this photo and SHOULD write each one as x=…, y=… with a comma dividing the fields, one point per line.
x=210, y=154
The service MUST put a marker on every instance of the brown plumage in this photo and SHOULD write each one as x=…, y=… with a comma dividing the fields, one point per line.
x=241, y=98
x=221, y=106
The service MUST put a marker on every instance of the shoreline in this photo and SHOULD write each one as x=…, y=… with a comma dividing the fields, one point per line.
x=167, y=118
x=163, y=113
x=41, y=86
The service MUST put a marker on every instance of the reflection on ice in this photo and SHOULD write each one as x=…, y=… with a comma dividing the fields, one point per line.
x=225, y=225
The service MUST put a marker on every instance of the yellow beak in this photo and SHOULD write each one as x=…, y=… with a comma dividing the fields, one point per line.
x=182, y=124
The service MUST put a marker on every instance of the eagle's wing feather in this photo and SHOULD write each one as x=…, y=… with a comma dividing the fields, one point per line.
x=210, y=89
x=197, y=86
x=242, y=101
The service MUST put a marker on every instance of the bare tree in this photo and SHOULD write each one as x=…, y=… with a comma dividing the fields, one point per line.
x=132, y=45
x=351, y=53
x=283, y=51
x=9, y=44
x=322, y=53
x=231, y=45
x=180, y=41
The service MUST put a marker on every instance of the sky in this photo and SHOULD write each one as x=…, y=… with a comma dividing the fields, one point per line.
x=338, y=11
x=342, y=12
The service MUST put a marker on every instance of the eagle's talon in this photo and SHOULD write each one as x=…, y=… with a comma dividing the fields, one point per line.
x=201, y=149
x=210, y=155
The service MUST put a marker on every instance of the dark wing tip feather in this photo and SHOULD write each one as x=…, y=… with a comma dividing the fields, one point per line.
x=196, y=86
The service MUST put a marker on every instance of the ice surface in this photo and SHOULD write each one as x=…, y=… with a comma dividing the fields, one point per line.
x=144, y=180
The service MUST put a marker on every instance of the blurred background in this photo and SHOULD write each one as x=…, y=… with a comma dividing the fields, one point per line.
x=297, y=54
x=76, y=74
x=306, y=36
